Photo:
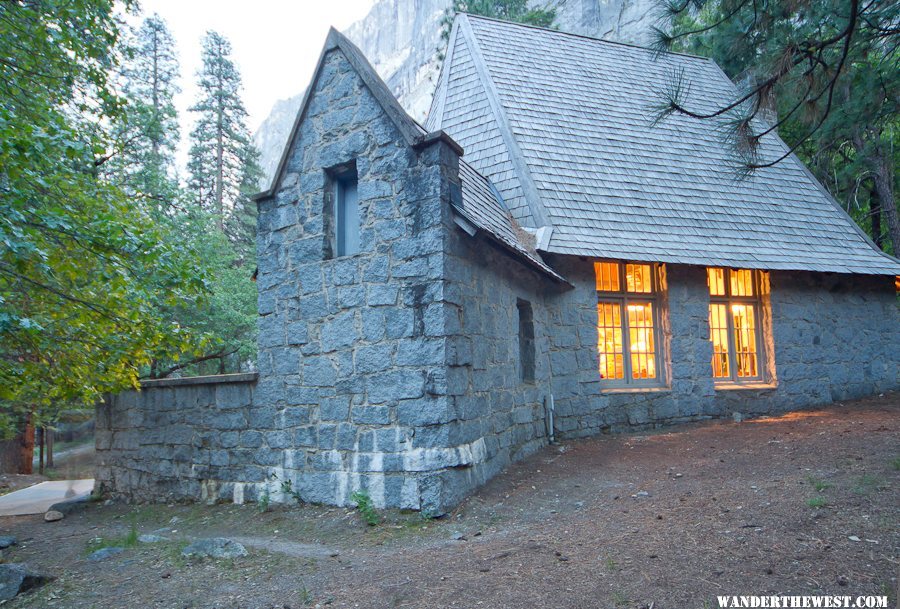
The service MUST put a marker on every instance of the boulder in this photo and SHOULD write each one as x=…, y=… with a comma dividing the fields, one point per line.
x=6, y=541
x=216, y=547
x=151, y=538
x=16, y=578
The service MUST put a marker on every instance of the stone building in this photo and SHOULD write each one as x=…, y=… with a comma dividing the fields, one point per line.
x=540, y=259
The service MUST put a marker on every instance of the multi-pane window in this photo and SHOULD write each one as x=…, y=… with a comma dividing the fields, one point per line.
x=734, y=324
x=628, y=323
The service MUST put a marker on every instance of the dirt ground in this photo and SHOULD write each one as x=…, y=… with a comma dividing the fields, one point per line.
x=806, y=503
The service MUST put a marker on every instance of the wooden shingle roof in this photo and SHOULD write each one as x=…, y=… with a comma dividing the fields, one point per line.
x=563, y=125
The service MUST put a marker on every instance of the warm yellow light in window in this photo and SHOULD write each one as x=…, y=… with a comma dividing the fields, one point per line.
x=641, y=341
x=744, y=321
x=610, y=348
x=742, y=282
x=715, y=279
x=638, y=278
x=718, y=329
x=607, y=274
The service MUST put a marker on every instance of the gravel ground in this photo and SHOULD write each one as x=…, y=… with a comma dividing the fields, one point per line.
x=806, y=503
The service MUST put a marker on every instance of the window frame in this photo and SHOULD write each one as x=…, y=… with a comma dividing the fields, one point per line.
x=527, y=346
x=728, y=299
x=623, y=298
x=341, y=183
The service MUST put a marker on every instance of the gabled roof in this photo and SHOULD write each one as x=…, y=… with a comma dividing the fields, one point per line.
x=481, y=205
x=411, y=131
x=563, y=126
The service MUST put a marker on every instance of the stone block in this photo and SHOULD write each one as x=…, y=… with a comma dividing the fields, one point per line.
x=334, y=409
x=338, y=332
x=371, y=415
x=306, y=437
x=415, y=413
x=382, y=294
x=420, y=352
x=318, y=371
x=395, y=385
x=373, y=358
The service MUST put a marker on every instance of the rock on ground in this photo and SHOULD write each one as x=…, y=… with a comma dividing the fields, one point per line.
x=104, y=553
x=53, y=516
x=16, y=578
x=216, y=547
x=151, y=538
x=6, y=541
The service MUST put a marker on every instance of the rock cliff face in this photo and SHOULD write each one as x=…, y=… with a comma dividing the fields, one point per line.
x=401, y=38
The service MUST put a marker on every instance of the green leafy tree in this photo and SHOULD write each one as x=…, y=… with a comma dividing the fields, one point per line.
x=81, y=266
x=221, y=147
x=507, y=10
x=823, y=73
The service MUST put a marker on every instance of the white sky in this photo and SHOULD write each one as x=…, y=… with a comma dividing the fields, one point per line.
x=275, y=45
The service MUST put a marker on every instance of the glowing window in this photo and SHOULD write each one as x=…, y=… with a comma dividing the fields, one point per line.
x=627, y=323
x=734, y=327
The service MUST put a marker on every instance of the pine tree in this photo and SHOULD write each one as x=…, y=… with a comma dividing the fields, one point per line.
x=824, y=74
x=220, y=141
x=149, y=134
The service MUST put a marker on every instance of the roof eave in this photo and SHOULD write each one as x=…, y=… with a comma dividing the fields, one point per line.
x=471, y=228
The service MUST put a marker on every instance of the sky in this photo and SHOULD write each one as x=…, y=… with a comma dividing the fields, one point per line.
x=275, y=45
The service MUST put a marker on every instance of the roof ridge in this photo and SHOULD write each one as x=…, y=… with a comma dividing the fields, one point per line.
x=585, y=36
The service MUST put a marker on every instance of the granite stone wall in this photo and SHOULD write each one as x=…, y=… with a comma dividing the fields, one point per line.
x=352, y=350
x=180, y=440
x=491, y=401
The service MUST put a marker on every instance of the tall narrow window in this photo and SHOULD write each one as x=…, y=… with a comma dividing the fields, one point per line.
x=628, y=323
x=346, y=214
x=734, y=324
x=526, y=340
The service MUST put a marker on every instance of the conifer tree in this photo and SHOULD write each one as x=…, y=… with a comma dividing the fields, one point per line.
x=221, y=147
x=149, y=132
x=823, y=74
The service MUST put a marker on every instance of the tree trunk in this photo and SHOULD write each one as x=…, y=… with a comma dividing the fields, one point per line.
x=220, y=147
x=40, y=443
x=17, y=454
x=875, y=216
x=48, y=436
x=883, y=186
x=883, y=179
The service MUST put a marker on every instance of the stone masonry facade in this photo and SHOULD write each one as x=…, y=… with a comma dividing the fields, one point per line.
x=396, y=371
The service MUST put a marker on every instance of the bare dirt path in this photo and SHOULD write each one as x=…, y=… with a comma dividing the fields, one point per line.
x=807, y=503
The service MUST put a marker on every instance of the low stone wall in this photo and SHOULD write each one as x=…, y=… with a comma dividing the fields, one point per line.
x=180, y=440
